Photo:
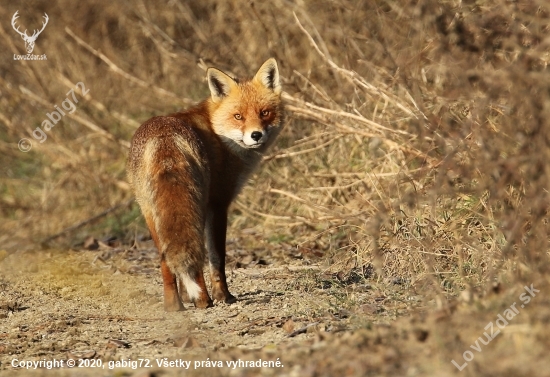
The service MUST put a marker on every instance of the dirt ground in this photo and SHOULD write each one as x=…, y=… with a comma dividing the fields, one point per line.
x=102, y=309
x=398, y=228
x=106, y=305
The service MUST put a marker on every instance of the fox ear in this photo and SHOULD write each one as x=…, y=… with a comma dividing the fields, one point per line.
x=268, y=75
x=219, y=83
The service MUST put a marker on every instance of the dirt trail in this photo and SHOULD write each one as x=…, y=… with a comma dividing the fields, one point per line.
x=103, y=310
x=107, y=305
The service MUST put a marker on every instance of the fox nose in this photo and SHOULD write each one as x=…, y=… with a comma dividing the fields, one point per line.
x=256, y=135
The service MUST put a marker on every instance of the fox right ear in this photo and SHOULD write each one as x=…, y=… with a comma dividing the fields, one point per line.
x=268, y=75
x=219, y=83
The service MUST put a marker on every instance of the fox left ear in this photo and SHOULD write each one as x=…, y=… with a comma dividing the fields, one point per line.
x=268, y=75
x=220, y=84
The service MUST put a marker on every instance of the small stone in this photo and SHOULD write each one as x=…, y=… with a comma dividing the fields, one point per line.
x=289, y=326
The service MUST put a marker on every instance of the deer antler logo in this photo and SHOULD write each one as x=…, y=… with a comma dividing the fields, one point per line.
x=29, y=40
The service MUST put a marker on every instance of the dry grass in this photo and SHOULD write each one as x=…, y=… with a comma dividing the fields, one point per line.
x=417, y=137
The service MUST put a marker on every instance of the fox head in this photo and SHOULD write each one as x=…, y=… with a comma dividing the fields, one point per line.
x=246, y=114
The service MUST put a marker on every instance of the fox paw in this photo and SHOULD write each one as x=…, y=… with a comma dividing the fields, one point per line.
x=220, y=295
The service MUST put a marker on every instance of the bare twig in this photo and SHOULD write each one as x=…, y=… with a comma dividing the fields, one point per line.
x=302, y=330
x=76, y=118
x=310, y=114
x=79, y=225
x=304, y=151
x=101, y=107
x=125, y=74
x=353, y=76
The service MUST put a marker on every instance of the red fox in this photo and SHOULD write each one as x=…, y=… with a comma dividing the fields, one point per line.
x=186, y=168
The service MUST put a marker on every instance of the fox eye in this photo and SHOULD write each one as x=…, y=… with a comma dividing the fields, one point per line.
x=264, y=113
x=238, y=116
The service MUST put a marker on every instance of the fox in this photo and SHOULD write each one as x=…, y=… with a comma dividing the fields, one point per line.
x=186, y=168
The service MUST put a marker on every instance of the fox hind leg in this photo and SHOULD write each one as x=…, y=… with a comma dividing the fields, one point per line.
x=172, y=302
x=204, y=300
x=216, y=230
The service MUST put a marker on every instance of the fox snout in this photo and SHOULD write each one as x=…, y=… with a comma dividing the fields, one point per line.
x=249, y=137
x=255, y=138
x=256, y=135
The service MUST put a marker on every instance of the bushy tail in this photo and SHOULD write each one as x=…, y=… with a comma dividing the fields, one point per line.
x=173, y=191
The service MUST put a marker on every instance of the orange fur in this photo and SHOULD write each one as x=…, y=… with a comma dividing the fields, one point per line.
x=186, y=168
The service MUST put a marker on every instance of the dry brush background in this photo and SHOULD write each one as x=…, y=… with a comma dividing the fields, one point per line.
x=415, y=151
